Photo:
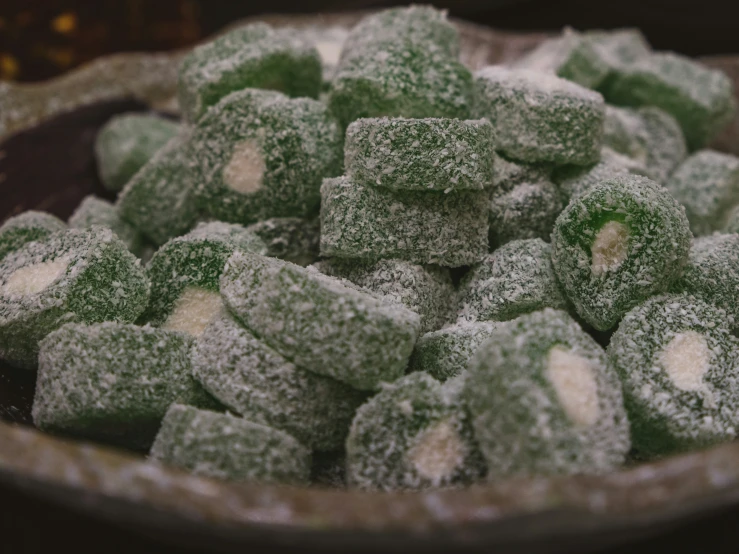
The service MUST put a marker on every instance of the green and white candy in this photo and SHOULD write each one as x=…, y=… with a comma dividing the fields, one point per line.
x=544, y=400
x=80, y=275
x=368, y=222
x=27, y=227
x=256, y=382
x=320, y=323
x=622, y=241
x=253, y=56
x=677, y=361
x=259, y=154
x=126, y=142
x=96, y=211
x=228, y=447
x=292, y=239
x=413, y=434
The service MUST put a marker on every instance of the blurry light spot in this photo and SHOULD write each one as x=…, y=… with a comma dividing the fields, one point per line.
x=64, y=23
x=9, y=66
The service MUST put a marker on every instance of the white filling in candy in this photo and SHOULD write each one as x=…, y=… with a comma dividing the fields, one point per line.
x=574, y=382
x=686, y=358
x=35, y=278
x=438, y=452
x=610, y=247
x=330, y=52
x=245, y=170
x=193, y=310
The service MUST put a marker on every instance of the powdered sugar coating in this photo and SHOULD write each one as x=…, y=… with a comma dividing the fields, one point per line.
x=446, y=353
x=158, y=200
x=427, y=290
x=96, y=211
x=292, y=239
x=252, y=56
x=518, y=414
x=296, y=141
x=228, y=447
x=255, y=381
x=732, y=221
x=528, y=210
x=319, y=322
x=420, y=154
x=618, y=47
x=27, y=227
x=540, y=117
x=699, y=98
x=666, y=418
x=359, y=221
x=656, y=247
x=515, y=279
x=112, y=382
x=707, y=184
x=100, y=281
x=126, y=142
x=196, y=259
x=413, y=434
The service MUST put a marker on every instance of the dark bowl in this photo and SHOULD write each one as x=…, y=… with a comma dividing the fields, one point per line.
x=46, y=162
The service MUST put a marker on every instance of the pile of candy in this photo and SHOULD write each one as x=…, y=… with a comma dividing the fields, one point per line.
x=405, y=271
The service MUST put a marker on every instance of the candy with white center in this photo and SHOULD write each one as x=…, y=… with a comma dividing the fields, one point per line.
x=228, y=447
x=446, y=353
x=252, y=56
x=96, y=211
x=513, y=280
x=292, y=239
x=413, y=434
x=259, y=154
x=539, y=117
x=701, y=99
x=360, y=221
x=185, y=275
x=255, y=381
x=112, y=382
x=707, y=184
x=320, y=323
x=420, y=154
x=677, y=361
x=82, y=275
x=27, y=227
x=619, y=243
x=127, y=142
x=427, y=290
x=543, y=399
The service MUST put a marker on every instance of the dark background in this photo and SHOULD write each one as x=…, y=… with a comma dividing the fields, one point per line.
x=43, y=38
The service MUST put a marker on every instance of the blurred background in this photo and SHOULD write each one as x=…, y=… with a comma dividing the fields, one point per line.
x=43, y=38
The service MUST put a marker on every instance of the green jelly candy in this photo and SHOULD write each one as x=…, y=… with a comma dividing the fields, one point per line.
x=446, y=353
x=227, y=447
x=649, y=135
x=126, y=142
x=699, y=98
x=369, y=222
x=574, y=180
x=158, y=200
x=111, y=381
x=320, y=323
x=539, y=117
x=508, y=173
x=427, y=290
x=712, y=272
x=253, y=56
x=27, y=227
x=80, y=275
x=515, y=279
x=528, y=210
x=96, y=211
x=707, y=184
x=185, y=275
x=260, y=154
x=292, y=239
x=618, y=47
x=413, y=434
x=255, y=381
x=677, y=362
x=571, y=56
x=544, y=400
x=624, y=240
x=420, y=154
x=732, y=221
